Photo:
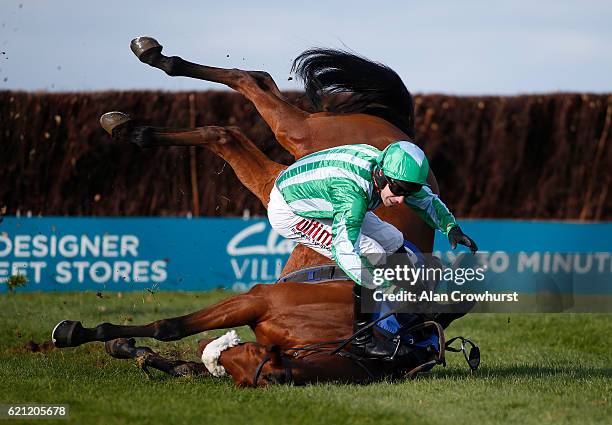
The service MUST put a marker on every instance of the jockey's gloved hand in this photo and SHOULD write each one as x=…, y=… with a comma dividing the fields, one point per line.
x=456, y=236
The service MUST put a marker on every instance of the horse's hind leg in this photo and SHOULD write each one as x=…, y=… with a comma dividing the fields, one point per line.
x=148, y=51
x=252, y=167
x=123, y=348
x=288, y=123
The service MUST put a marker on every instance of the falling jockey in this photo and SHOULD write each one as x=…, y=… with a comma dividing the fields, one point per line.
x=325, y=201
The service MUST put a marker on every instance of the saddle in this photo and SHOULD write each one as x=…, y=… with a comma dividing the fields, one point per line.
x=316, y=274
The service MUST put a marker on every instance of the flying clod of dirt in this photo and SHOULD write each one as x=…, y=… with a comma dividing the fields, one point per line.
x=33, y=347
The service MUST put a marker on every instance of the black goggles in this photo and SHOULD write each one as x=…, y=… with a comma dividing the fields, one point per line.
x=472, y=357
x=402, y=188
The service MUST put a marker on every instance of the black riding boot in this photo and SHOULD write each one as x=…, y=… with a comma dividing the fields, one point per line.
x=365, y=344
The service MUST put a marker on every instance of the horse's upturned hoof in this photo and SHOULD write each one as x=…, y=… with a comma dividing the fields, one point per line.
x=112, y=120
x=121, y=127
x=121, y=348
x=145, y=48
x=67, y=334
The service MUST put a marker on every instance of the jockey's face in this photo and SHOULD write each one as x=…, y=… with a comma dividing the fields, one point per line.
x=389, y=199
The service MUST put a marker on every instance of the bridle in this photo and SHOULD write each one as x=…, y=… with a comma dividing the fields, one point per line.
x=266, y=359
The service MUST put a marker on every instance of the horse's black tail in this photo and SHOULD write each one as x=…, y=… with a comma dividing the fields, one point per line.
x=375, y=88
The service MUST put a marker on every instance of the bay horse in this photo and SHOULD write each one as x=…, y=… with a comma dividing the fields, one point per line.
x=294, y=323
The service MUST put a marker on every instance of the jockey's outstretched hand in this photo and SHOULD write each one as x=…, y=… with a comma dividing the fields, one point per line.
x=456, y=236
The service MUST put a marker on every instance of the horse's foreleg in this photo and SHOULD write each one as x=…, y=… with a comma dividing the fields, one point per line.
x=237, y=311
x=123, y=348
x=252, y=167
x=288, y=122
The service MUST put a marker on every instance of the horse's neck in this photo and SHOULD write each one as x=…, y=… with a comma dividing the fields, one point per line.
x=303, y=257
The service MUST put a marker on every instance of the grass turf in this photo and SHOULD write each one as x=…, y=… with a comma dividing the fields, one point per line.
x=536, y=368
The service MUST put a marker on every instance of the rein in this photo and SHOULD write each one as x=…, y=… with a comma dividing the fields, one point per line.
x=260, y=366
x=362, y=330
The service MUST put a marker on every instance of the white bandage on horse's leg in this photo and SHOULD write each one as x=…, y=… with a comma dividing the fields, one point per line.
x=212, y=352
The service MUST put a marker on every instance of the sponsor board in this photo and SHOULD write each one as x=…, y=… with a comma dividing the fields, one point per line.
x=123, y=254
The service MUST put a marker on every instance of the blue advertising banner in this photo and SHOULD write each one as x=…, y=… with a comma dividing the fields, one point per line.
x=123, y=254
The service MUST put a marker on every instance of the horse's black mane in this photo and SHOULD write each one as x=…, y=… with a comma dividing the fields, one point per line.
x=374, y=88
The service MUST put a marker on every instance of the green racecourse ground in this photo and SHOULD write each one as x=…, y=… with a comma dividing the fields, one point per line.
x=536, y=369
